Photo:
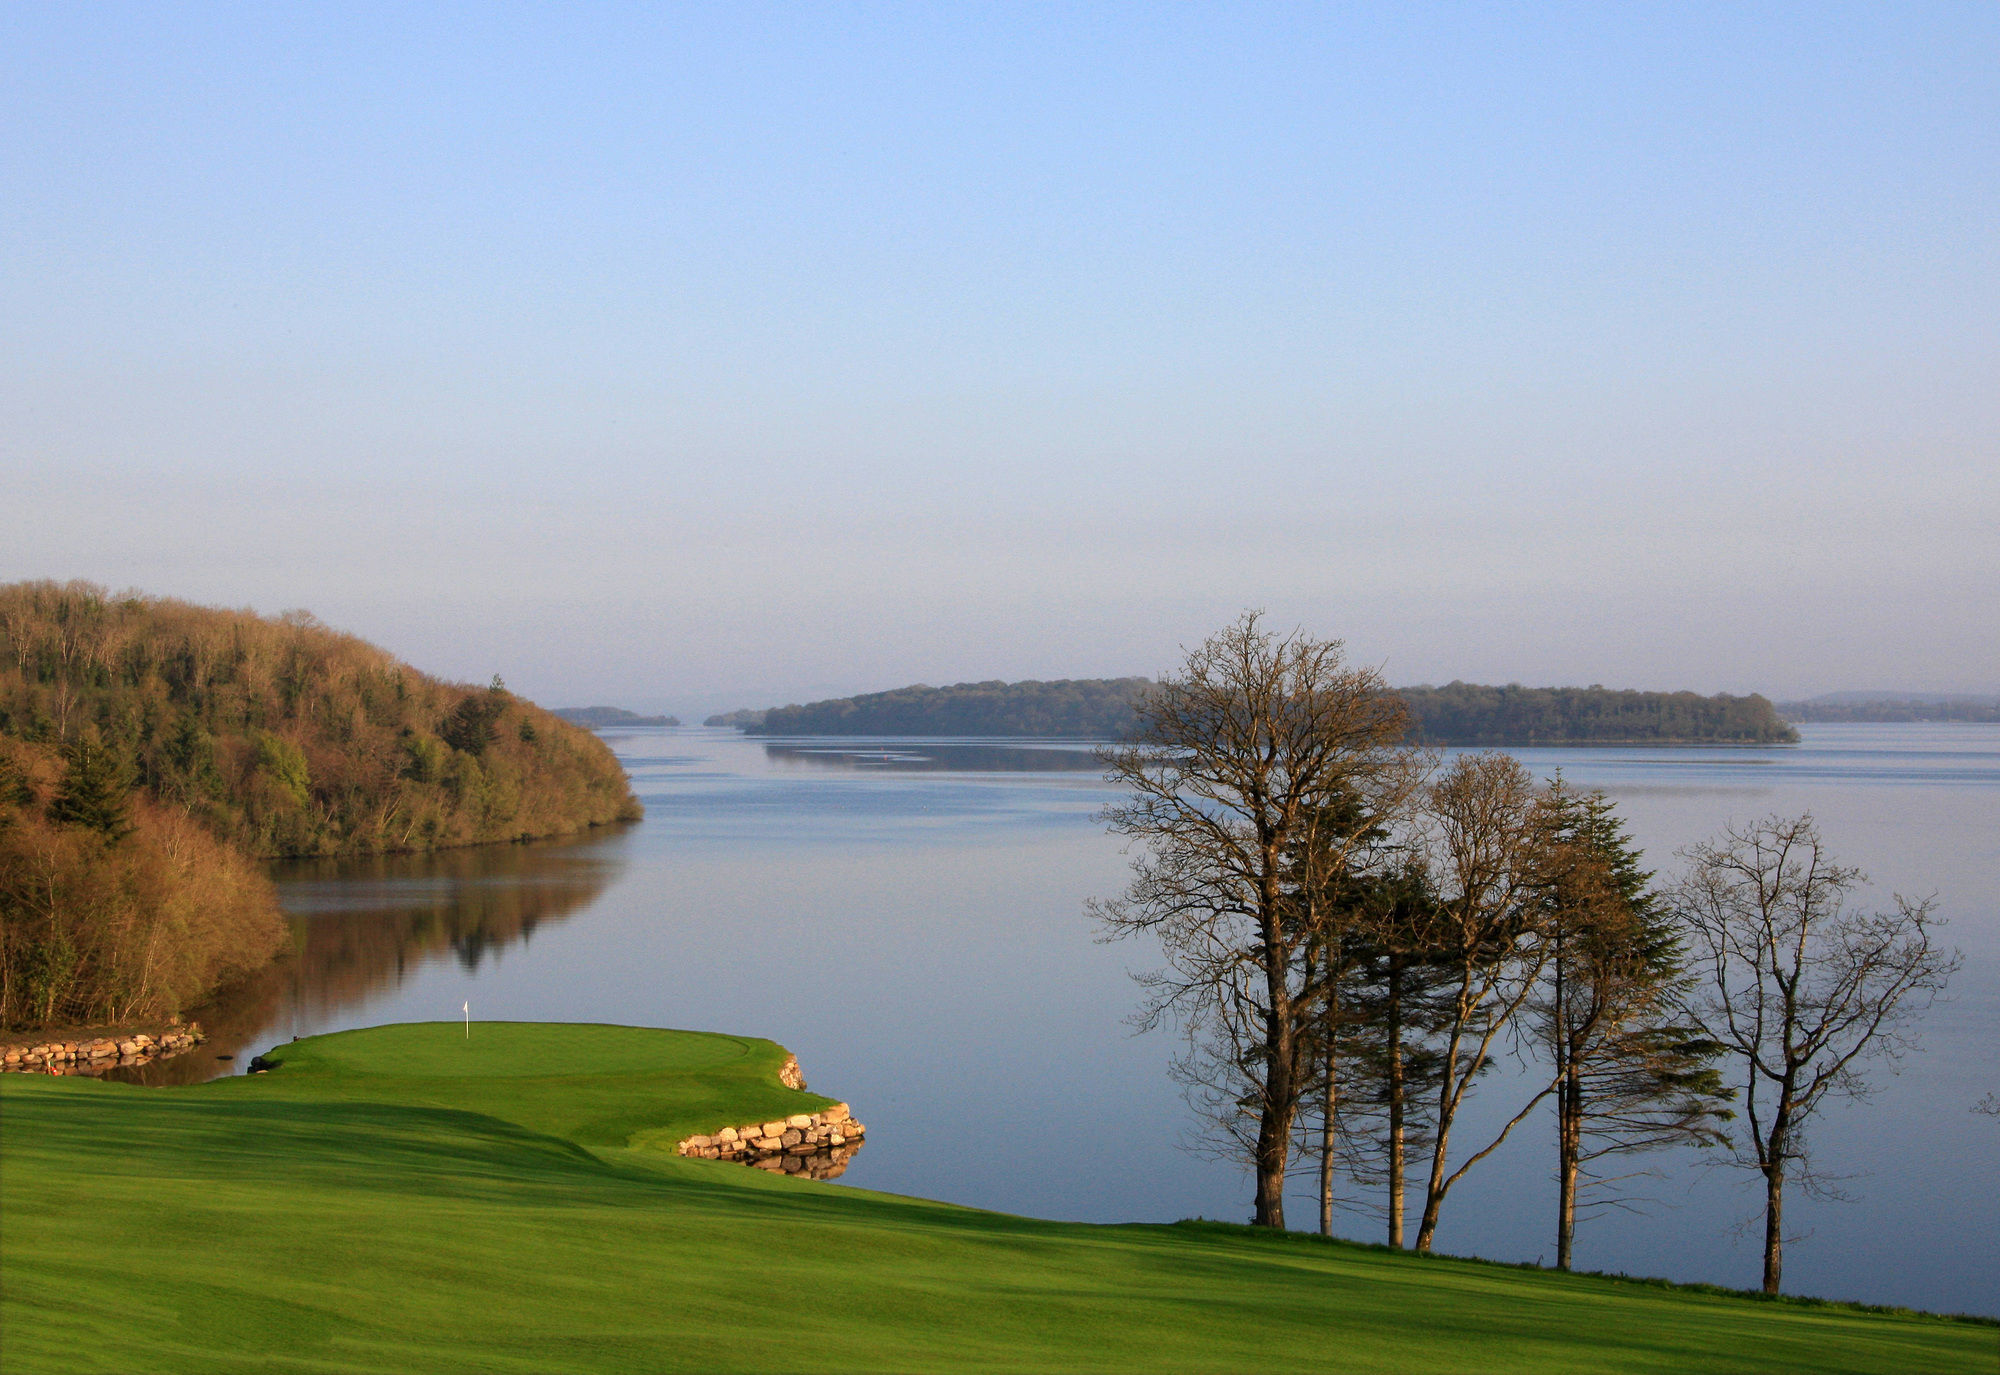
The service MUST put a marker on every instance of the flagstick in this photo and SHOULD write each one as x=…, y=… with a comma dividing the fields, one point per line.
x=468, y=1020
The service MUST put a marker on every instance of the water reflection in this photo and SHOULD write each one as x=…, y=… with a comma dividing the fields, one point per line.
x=904, y=756
x=361, y=926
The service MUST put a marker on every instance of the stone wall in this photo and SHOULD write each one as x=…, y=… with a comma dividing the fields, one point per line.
x=92, y=1055
x=817, y=1145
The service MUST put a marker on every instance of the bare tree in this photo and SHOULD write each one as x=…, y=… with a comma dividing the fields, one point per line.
x=1235, y=775
x=1802, y=987
x=1482, y=935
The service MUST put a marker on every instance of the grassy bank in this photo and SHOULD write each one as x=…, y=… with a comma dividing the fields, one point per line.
x=405, y=1199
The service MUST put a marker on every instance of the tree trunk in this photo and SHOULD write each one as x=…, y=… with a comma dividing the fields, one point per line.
x=1774, y=1224
x=1272, y=1141
x=1440, y=1146
x=1569, y=1107
x=1326, y=1137
x=1395, y=1034
x=1569, y=1133
x=1433, y=1195
x=1329, y=1131
x=1281, y=1088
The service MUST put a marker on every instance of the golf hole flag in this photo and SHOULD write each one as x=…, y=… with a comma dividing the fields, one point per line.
x=468, y=1019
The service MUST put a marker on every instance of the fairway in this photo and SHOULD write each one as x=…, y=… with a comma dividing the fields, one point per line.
x=402, y=1199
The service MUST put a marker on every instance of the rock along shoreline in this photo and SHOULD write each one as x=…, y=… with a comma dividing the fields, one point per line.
x=817, y=1145
x=93, y=1055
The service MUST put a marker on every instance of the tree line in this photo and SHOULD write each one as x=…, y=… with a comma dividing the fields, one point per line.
x=1887, y=709
x=150, y=750
x=1456, y=714
x=1356, y=933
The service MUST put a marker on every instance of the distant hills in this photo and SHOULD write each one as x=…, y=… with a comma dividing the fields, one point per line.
x=598, y=718
x=1887, y=707
x=1456, y=714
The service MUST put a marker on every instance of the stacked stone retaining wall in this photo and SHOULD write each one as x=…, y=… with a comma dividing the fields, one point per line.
x=817, y=1145
x=92, y=1055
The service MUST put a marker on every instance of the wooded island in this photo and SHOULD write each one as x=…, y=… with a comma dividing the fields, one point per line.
x=1456, y=714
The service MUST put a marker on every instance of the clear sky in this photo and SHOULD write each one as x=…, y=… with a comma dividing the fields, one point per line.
x=713, y=356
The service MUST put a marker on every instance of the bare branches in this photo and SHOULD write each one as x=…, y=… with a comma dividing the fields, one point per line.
x=1800, y=986
x=1253, y=774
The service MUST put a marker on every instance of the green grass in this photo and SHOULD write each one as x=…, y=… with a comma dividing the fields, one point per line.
x=402, y=1200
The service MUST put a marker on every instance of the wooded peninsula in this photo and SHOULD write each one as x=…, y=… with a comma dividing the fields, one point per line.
x=153, y=751
x=1456, y=714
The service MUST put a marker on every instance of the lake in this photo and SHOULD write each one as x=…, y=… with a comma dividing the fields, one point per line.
x=907, y=916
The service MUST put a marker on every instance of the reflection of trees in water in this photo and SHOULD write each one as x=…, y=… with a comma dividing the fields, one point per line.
x=359, y=926
x=911, y=756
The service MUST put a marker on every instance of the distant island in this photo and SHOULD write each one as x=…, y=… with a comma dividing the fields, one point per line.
x=1456, y=714
x=1894, y=707
x=597, y=718
x=1068, y=708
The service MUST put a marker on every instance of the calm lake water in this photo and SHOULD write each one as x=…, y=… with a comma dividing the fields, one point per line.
x=907, y=917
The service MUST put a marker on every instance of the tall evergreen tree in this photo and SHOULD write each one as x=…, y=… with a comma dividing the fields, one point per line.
x=1390, y=998
x=93, y=793
x=1631, y=1073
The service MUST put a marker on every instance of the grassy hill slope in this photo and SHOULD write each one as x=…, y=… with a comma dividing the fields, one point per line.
x=405, y=1199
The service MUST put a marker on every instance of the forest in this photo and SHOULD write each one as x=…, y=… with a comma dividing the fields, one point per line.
x=1457, y=714
x=1068, y=708
x=1468, y=714
x=152, y=751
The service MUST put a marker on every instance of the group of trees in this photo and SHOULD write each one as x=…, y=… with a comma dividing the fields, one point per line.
x=1357, y=933
x=1457, y=714
x=1069, y=708
x=1471, y=714
x=150, y=750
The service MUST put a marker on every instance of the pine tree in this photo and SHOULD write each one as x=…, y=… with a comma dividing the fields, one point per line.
x=93, y=792
x=1631, y=1073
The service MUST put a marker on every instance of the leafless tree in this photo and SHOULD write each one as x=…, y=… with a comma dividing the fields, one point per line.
x=1482, y=935
x=1801, y=986
x=1235, y=777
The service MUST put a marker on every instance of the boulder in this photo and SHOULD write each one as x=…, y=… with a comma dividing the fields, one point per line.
x=800, y=1120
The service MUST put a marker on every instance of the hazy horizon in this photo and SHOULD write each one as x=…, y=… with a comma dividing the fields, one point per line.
x=699, y=359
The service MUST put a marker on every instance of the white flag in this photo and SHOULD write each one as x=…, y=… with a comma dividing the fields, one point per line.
x=468, y=1019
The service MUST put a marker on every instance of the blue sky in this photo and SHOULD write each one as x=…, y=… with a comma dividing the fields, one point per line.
x=711, y=356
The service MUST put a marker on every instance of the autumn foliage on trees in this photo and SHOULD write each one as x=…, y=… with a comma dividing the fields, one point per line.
x=153, y=747
x=108, y=924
